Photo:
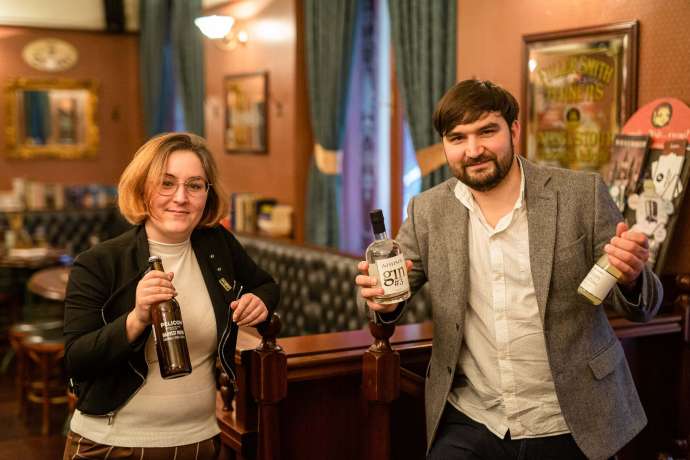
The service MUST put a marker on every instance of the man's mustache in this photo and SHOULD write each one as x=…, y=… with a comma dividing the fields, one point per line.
x=478, y=160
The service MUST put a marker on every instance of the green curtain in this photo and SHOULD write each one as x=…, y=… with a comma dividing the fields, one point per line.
x=424, y=38
x=188, y=59
x=329, y=33
x=153, y=18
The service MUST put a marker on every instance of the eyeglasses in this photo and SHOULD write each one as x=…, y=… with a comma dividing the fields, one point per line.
x=193, y=187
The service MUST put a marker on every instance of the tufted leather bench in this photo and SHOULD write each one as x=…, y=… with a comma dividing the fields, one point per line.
x=72, y=228
x=318, y=292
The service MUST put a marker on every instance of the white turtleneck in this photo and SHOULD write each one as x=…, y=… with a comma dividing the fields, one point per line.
x=164, y=413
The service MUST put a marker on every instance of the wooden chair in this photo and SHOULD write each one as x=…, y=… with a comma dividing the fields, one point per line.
x=16, y=335
x=45, y=383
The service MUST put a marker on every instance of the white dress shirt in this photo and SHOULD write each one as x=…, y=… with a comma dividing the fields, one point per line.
x=504, y=381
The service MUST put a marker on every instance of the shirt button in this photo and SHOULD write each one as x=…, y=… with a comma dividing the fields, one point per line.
x=219, y=269
x=212, y=256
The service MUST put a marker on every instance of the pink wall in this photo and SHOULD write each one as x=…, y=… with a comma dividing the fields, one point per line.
x=273, y=47
x=110, y=60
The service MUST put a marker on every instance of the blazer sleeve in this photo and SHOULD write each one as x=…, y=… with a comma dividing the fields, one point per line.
x=407, y=237
x=93, y=346
x=252, y=277
x=642, y=304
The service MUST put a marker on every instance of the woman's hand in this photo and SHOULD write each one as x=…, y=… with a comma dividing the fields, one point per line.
x=154, y=287
x=249, y=310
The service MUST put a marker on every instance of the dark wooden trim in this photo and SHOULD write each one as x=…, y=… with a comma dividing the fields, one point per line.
x=233, y=433
x=380, y=387
x=266, y=115
x=682, y=303
x=49, y=30
x=304, y=140
x=296, y=244
x=663, y=324
x=626, y=27
x=411, y=383
x=396, y=145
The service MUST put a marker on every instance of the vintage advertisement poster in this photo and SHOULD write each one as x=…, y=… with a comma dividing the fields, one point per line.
x=246, y=113
x=576, y=90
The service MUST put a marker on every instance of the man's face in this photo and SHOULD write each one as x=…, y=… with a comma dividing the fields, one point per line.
x=480, y=153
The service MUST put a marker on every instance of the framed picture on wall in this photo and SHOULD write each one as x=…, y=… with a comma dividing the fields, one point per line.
x=246, y=113
x=579, y=88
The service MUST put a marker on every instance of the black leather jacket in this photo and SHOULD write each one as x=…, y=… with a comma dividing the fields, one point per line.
x=104, y=368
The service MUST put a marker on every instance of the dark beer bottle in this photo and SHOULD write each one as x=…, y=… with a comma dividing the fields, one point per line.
x=168, y=332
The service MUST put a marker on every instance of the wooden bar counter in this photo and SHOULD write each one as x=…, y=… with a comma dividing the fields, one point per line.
x=325, y=415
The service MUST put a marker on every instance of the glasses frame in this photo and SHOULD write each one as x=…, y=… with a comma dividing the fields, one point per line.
x=184, y=186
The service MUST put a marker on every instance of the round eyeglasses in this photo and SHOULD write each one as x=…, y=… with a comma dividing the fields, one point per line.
x=193, y=187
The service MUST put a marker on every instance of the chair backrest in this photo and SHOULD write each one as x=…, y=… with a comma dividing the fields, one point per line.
x=73, y=228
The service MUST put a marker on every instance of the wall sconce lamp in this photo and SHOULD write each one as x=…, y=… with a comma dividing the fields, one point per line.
x=219, y=29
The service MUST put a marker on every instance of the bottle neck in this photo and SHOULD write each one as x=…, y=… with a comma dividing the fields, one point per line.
x=380, y=236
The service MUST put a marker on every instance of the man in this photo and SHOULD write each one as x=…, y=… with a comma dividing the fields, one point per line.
x=522, y=366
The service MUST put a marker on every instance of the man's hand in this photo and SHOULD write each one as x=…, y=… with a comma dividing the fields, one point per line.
x=368, y=289
x=628, y=252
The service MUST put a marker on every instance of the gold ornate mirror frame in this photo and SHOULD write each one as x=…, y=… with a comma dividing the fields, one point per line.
x=16, y=144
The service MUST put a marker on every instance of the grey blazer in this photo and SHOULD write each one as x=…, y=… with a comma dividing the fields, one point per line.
x=570, y=218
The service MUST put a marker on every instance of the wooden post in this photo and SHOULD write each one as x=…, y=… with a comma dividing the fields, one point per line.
x=682, y=303
x=269, y=387
x=227, y=391
x=381, y=386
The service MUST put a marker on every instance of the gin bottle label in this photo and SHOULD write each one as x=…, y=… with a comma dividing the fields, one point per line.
x=392, y=275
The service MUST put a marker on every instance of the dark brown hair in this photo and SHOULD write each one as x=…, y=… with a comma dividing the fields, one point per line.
x=469, y=100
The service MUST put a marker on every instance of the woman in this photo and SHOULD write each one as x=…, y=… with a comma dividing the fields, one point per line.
x=170, y=191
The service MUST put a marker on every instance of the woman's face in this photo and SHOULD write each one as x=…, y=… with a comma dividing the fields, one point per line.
x=178, y=202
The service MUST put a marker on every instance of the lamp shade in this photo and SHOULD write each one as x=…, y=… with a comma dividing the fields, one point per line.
x=215, y=26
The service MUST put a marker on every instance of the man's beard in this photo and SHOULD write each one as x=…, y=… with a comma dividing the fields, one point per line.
x=484, y=180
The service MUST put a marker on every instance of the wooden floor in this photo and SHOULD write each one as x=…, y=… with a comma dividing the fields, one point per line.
x=21, y=439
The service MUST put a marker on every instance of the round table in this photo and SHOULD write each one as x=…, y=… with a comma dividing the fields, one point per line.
x=50, y=283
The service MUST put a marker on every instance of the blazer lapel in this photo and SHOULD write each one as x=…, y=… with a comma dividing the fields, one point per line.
x=542, y=209
x=456, y=216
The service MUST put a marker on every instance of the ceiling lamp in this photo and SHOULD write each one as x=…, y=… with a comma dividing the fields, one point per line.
x=215, y=27
x=219, y=29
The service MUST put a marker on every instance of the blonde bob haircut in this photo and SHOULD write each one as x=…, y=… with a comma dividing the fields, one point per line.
x=145, y=172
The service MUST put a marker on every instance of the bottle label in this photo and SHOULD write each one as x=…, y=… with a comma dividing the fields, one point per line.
x=392, y=275
x=598, y=282
x=172, y=330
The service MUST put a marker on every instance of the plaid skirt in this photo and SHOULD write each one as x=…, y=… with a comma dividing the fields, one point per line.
x=78, y=447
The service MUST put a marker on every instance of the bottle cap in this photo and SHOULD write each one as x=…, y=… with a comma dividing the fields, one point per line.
x=377, y=222
x=155, y=263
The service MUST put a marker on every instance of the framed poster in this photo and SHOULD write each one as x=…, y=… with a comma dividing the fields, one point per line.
x=246, y=117
x=579, y=88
